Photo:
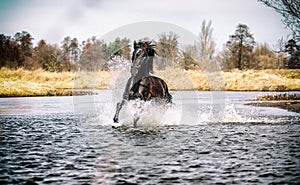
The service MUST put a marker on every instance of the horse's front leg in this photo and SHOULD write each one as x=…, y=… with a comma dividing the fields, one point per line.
x=136, y=119
x=128, y=86
x=118, y=109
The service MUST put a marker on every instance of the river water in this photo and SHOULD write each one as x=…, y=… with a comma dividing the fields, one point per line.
x=203, y=138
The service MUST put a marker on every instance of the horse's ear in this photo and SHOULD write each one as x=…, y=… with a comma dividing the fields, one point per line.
x=134, y=45
x=152, y=45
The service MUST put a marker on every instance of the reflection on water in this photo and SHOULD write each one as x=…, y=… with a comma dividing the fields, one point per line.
x=65, y=140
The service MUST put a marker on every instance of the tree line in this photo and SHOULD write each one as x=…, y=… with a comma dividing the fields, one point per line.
x=91, y=54
x=241, y=51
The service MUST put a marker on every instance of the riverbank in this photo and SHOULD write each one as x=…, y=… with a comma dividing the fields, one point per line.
x=291, y=105
x=289, y=102
x=22, y=82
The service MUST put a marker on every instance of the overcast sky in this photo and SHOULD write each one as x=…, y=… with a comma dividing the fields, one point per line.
x=53, y=20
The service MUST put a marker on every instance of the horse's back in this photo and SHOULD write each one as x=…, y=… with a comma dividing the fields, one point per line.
x=158, y=88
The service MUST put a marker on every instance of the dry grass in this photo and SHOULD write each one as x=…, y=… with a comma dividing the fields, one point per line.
x=42, y=83
x=262, y=80
x=177, y=79
x=235, y=80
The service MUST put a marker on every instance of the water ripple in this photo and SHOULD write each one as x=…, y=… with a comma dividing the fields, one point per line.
x=63, y=148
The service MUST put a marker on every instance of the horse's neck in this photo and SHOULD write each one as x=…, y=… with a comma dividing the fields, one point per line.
x=142, y=73
x=143, y=70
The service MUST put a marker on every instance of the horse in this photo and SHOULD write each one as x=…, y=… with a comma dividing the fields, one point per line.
x=150, y=87
x=141, y=84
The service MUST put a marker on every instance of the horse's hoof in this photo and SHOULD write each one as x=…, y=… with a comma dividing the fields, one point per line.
x=116, y=120
x=115, y=127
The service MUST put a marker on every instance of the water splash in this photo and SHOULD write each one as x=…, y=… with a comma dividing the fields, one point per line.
x=189, y=108
x=152, y=115
x=227, y=115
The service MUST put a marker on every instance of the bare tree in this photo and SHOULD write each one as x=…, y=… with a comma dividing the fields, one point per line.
x=45, y=56
x=206, y=46
x=167, y=47
x=189, y=58
x=265, y=58
x=201, y=53
x=290, y=10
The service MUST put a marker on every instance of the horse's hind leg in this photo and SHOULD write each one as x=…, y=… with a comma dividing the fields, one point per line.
x=119, y=107
x=136, y=116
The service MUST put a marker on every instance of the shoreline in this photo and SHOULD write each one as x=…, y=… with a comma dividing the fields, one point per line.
x=289, y=105
x=25, y=83
x=40, y=82
x=80, y=92
x=289, y=102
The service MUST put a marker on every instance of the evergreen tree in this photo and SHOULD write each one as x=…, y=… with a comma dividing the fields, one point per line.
x=293, y=51
x=240, y=46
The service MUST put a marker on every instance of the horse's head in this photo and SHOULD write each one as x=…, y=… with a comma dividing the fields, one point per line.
x=143, y=51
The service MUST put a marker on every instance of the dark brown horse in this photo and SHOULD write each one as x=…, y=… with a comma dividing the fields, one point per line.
x=141, y=84
x=150, y=87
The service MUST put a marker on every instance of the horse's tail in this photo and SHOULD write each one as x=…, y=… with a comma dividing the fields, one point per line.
x=168, y=96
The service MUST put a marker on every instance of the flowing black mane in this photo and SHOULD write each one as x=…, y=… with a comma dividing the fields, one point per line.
x=147, y=46
x=142, y=59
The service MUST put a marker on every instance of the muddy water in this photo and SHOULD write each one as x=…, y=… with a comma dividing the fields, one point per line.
x=204, y=138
